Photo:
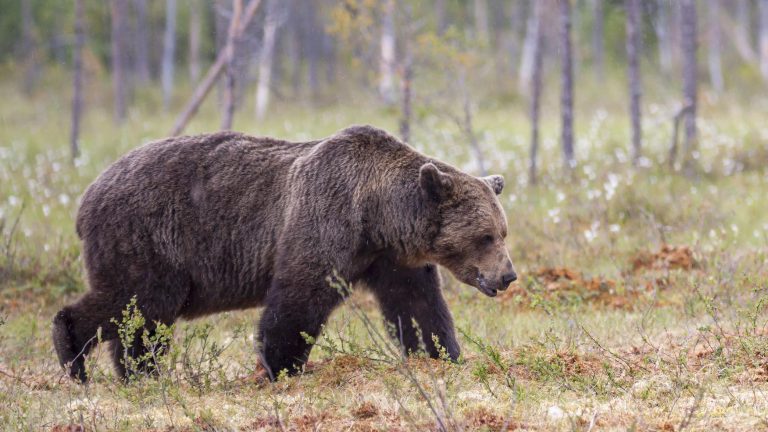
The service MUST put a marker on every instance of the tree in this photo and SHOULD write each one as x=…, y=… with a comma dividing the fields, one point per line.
x=689, y=46
x=77, y=81
x=525, y=71
x=663, y=35
x=169, y=49
x=715, y=66
x=441, y=16
x=743, y=30
x=633, y=54
x=482, y=28
x=387, y=58
x=763, y=7
x=566, y=86
x=29, y=46
x=141, y=41
x=538, y=56
x=119, y=76
x=230, y=73
x=195, y=25
x=272, y=22
x=598, y=38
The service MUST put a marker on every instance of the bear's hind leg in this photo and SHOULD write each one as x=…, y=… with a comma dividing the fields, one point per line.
x=76, y=326
x=413, y=294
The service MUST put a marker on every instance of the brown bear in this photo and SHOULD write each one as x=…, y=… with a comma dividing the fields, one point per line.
x=194, y=225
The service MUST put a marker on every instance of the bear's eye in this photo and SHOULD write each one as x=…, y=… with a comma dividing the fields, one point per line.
x=487, y=239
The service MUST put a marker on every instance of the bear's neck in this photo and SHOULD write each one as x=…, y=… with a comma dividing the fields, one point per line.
x=404, y=221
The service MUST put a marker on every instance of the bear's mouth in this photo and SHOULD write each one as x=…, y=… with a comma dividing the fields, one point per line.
x=482, y=286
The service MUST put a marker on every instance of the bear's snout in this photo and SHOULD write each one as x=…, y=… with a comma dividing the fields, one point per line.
x=508, y=279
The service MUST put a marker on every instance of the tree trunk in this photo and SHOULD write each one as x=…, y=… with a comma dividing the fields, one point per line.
x=689, y=46
x=525, y=71
x=441, y=16
x=633, y=54
x=77, y=81
x=743, y=31
x=482, y=28
x=512, y=41
x=29, y=47
x=566, y=89
x=598, y=39
x=294, y=46
x=715, y=65
x=230, y=73
x=405, y=121
x=119, y=78
x=169, y=49
x=271, y=25
x=387, y=59
x=763, y=8
x=195, y=26
x=663, y=36
x=466, y=123
x=141, y=41
x=329, y=53
x=538, y=56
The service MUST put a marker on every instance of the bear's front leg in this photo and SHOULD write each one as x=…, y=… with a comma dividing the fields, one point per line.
x=414, y=294
x=291, y=310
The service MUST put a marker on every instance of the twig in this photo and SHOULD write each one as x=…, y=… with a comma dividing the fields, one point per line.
x=691, y=411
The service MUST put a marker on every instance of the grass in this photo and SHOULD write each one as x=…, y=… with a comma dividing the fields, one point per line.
x=587, y=340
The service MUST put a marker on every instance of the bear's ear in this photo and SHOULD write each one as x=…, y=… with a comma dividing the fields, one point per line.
x=496, y=182
x=436, y=184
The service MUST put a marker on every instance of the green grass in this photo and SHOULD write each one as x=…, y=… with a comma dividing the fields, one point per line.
x=686, y=349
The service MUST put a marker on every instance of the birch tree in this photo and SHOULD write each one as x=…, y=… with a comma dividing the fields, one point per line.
x=119, y=78
x=633, y=54
x=272, y=22
x=689, y=47
x=525, y=71
x=663, y=35
x=538, y=56
x=482, y=27
x=169, y=49
x=566, y=84
x=29, y=46
x=195, y=25
x=598, y=38
x=743, y=30
x=387, y=57
x=141, y=42
x=763, y=12
x=713, y=51
x=77, y=81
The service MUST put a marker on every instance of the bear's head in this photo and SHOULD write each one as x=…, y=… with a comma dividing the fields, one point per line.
x=472, y=227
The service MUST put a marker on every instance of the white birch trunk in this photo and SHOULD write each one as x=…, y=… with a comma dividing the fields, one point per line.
x=169, y=48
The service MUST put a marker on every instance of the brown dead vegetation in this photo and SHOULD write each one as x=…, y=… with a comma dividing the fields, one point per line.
x=561, y=283
x=667, y=258
x=482, y=418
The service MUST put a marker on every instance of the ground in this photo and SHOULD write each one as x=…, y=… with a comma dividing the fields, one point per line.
x=641, y=303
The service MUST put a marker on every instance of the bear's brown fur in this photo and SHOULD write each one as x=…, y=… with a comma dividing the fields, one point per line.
x=201, y=224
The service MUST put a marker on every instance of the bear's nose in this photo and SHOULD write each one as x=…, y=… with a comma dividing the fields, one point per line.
x=508, y=279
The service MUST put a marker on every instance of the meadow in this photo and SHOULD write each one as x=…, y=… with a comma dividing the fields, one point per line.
x=641, y=303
